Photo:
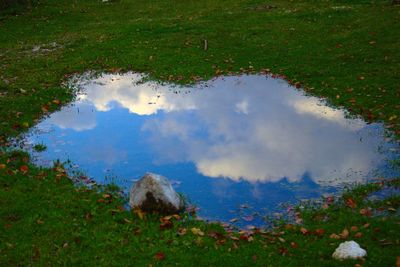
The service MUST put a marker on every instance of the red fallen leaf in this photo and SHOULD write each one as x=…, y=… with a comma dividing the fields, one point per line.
x=160, y=256
x=246, y=238
x=380, y=209
x=366, y=225
x=283, y=251
x=24, y=168
x=294, y=245
x=320, y=232
x=377, y=229
x=366, y=212
x=351, y=203
x=215, y=235
x=303, y=230
x=165, y=225
x=56, y=101
x=358, y=235
x=354, y=228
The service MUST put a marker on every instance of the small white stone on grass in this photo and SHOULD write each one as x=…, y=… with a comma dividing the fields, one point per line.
x=349, y=250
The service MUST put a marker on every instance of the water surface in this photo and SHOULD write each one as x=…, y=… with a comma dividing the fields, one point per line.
x=245, y=141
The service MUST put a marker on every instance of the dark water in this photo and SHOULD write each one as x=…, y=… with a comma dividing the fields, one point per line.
x=246, y=141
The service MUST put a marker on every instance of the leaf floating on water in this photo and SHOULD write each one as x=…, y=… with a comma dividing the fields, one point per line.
x=234, y=220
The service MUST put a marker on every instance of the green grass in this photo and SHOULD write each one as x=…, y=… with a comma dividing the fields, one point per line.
x=345, y=51
x=45, y=220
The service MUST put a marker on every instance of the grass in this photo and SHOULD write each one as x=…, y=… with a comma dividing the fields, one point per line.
x=69, y=225
x=345, y=51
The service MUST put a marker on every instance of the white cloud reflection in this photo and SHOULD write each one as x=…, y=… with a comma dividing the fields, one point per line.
x=257, y=129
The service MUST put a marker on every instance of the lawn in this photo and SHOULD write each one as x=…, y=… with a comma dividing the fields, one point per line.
x=344, y=51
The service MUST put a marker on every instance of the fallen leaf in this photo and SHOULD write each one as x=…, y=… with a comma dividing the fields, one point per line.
x=166, y=225
x=24, y=168
x=294, y=245
x=234, y=220
x=2, y=166
x=358, y=235
x=303, y=230
x=320, y=232
x=334, y=236
x=366, y=212
x=160, y=256
x=197, y=231
x=182, y=231
x=283, y=250
x=248, y=218
x=351, y=203
x=354, y=228
x=139, y=213
x=344, y=234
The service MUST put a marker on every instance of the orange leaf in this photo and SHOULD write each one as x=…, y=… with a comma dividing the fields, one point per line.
x=303, y=230
x=351, y=203
x=344, y=234
x=24, y=168
x=165, y=225
x=334, y=236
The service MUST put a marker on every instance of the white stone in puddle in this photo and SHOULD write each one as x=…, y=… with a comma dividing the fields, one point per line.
x=349, y=250
x=154, y=193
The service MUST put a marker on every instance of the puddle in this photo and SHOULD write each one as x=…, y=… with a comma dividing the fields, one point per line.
x=235, y=146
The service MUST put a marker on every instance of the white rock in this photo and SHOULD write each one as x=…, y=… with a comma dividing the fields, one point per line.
x=349, y=250
x=155, y=193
